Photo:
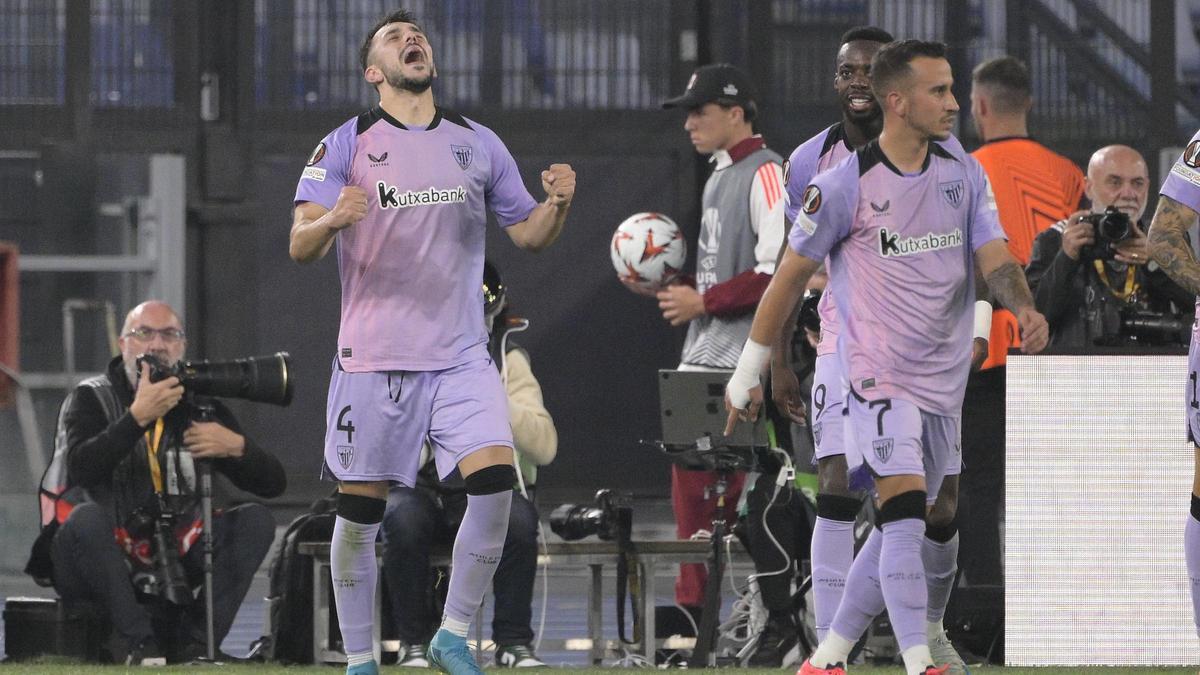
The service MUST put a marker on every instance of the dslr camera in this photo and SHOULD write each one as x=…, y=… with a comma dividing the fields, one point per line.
x=610, y=517
x=255, y=378
x=1110, y=228
x=168, y=580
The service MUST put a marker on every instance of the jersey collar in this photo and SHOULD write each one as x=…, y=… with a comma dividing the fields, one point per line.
x=740, y=151
x=382, y=114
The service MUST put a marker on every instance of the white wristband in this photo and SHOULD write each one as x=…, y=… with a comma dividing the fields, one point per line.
x=983, y=320
x=746, y=377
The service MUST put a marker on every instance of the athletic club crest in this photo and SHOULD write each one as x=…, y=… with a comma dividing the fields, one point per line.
x=953, y=192
x=883, y=449
x=463, y=155
x=345, y=455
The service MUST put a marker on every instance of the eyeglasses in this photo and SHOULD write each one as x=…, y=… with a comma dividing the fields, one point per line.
x=144, y=334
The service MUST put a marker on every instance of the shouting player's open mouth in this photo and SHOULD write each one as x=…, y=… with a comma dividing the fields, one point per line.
x=413, y=54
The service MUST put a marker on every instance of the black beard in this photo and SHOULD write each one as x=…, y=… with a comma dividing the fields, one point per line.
x=416, y=86
x=866, y=118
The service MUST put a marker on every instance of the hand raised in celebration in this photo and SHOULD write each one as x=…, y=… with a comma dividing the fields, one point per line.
x=559, y=183
x=350, y=208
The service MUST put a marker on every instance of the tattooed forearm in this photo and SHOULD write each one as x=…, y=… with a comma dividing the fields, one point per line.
x=1008, y=285
x=982, y=292
x=1169, y=246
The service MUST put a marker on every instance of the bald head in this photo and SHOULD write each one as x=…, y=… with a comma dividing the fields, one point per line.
x=152, y=327
x=1117, y=176
x=151, y=309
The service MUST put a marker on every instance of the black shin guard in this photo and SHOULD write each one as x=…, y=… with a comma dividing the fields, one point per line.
x=903, y=506
x=360, y=509
x=491, y=479
x=942, y=533
x=837, y=507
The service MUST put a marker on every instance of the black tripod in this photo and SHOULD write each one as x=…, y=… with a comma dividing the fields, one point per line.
x=206, y=413
x=724, y=460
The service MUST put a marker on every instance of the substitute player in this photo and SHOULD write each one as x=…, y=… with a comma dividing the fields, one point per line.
x=904, y=274
x=402, y=188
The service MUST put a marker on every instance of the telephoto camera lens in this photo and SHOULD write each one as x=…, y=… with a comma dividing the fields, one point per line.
x=576, y=521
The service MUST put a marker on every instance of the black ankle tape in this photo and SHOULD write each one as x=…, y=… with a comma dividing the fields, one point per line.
x=360, y=509
x=942, y=533
x=837, y=507
x=491, y=480
x=903, y=506
x=1196, y=507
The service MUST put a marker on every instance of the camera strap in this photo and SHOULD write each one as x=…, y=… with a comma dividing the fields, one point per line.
x=1131, y=284
x=153, y=440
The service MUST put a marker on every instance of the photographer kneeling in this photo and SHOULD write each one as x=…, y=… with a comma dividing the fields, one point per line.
x=1090, y=274
x=132, y=447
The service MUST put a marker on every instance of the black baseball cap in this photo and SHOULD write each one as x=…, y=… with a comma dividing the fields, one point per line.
x=716, y=81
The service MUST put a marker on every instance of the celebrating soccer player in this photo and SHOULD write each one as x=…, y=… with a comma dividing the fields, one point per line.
x=403, y=188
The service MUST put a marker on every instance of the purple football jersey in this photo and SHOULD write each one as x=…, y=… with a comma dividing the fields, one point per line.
x=817, y=154
x=410, y=269
x=810, y=158
x=1183, y=185
x=901, y=260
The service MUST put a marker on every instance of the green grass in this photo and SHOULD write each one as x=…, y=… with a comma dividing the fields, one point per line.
x=58, y=667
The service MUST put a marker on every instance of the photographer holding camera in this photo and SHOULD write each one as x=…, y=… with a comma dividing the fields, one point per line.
x=1089, y=273
x=133, y=546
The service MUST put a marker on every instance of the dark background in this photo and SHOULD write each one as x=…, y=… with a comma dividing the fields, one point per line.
x=89, y=89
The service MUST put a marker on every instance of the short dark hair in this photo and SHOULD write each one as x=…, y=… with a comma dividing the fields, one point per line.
x=868, y=33
x=398, y=16
x=891, y=62
x=1008, y=80
x=749, y=108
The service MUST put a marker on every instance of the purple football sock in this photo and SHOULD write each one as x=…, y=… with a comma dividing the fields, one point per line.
x=832, y=554
x=863, y=598
x=352, y=567
x=941, y=564
x=477, y=551
x=902, y=576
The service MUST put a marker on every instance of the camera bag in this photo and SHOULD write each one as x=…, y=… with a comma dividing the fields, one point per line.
x=45, y=626
x=289, y=635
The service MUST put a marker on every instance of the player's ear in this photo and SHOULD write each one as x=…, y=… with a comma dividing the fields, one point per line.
x=373, y=75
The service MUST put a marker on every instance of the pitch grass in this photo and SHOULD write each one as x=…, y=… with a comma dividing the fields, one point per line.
x=46, y=667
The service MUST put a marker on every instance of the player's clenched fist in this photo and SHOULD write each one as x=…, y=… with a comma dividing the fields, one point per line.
x=559, y=183
x=350, y=208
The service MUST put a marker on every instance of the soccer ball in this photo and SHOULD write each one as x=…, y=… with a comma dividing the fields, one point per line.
x=648, y=248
